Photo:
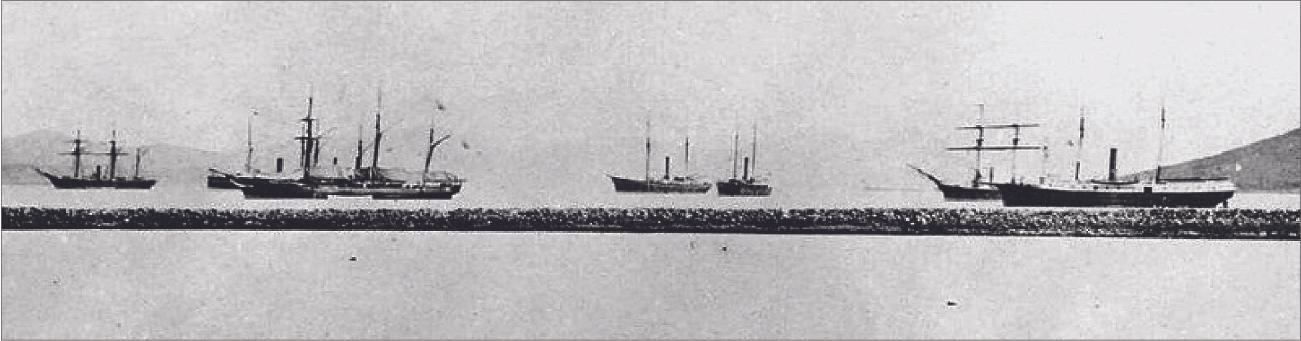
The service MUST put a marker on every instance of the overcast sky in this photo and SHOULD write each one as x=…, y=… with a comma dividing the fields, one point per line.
x=837, y=89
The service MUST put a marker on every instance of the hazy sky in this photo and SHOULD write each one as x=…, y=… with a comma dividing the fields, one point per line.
x=838, y=89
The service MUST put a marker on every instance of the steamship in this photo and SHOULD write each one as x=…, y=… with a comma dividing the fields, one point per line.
x=370, y=182
x=1157, y=192
x=667, y=184
x=745, y=185
x=99, y=179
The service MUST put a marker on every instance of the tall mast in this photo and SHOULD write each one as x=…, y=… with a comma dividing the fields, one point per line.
x=980, y=143
x=686, y=157
x=356, y=164
x=136, y=173
x=1160, y=145
x=248, y=159
x=648, y=148
x=1079, y=147
x=307, y=141
x=754, y=147
x=112, y=156
x=379, y=107
x=736, y=140
x=77, y=151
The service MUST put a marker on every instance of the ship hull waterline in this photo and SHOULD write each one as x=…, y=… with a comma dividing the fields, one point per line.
x=742, y=189
x=624, y=185
x=1023, y=195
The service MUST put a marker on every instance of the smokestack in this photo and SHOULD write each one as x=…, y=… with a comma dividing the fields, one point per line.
x=746, y=170
x=666, y=168
x=97, y=171
x=1111, y=166
x=336, y=160
x=280, y=165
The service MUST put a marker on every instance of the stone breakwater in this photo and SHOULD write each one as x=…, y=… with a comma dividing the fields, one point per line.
x=1154, y=223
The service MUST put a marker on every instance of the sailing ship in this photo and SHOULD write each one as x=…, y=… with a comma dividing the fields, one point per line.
x=98, y=179
x=982, y=187
x=371, y=182
x=745, y=185
x=1157, y=192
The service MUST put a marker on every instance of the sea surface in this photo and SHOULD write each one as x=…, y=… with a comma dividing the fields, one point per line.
x=197, y=196
x=277, y=284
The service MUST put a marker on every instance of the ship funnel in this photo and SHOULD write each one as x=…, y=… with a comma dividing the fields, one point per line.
x=746, y=170
x=1111, y=166
x=666, y=168
x=280, y=165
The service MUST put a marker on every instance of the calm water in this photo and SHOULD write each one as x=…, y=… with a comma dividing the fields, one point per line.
x=201, y=197
x=212, y=284
x=217, y=284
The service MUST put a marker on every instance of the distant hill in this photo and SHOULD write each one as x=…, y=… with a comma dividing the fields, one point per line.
x=19, y=154
x=1272, y=164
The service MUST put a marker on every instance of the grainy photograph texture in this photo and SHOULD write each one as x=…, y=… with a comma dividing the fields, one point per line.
x=650, y=170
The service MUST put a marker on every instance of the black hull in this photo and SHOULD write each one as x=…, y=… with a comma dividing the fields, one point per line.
x=61, y=182
x=733, y=188
x=623, y=185
x=222, y=182
x=959, y=193
x=1023, y=195
x=295, y=189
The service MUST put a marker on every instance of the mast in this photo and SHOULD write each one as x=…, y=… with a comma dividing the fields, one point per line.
x=379, y=107
x=307, y=141
x=136, y=173
x=1160, y=145
x=686, y=157
x=356, y=163
x=736, y=139
x=248, y=159
x=980, y=143
x=76, y=153
x=112, y=156
x=1079, y=147
x=754, y=147
x=648, y=149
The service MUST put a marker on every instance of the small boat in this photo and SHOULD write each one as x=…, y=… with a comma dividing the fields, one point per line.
x=99, y=179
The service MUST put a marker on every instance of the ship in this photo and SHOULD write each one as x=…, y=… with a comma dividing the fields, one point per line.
x=982, y=187
x=99, y=179
x=667, y=184
x=1113, y=192
x=745, y=186
x=219, y=179
x=373, y=181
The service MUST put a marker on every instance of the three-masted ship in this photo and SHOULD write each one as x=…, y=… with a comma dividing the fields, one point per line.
x=98, y=179
x=371, y=182
x=1156, y=192
x=667, y=184
x=982, y=186
x=746, y=185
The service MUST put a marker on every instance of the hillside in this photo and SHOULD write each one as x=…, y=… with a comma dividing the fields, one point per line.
x=1272, y=164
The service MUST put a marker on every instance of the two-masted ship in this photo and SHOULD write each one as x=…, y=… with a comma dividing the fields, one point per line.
x=373, y=182
x=667, y=184
x=1155, y=192
x=746, y=185
x=982, y=186
x=98, y=179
